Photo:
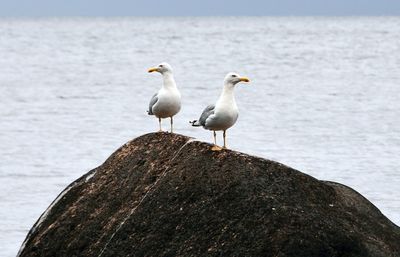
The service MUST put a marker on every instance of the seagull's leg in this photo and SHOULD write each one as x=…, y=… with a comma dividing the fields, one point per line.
x=224, y=139
x=172, y=125
x=159, y=122
x=215, y=147
x=215, y=137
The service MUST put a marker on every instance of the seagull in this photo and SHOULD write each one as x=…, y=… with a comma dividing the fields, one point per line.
x=167, y=101
x=224, y=113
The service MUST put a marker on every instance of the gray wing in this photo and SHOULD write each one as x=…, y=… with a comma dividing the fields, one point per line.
x=209, y=110
x=153, y=101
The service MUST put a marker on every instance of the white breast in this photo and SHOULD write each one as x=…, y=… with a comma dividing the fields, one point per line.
x=168, y=104
x=225, y=115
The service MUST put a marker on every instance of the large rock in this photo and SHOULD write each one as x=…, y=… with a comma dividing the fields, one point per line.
x=168, y=195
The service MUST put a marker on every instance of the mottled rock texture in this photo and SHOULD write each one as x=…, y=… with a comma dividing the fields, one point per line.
x=167, y=195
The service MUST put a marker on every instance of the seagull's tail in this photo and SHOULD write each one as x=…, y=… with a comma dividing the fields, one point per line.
x=195, y=123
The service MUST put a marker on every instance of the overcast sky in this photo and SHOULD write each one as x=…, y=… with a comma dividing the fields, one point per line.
x=196, y=7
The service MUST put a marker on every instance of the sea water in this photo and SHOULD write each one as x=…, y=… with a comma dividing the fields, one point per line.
x=324, y=98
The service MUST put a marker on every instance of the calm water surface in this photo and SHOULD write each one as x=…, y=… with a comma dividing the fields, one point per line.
x=324, y=98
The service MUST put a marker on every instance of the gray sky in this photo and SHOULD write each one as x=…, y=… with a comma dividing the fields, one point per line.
x=196, y=7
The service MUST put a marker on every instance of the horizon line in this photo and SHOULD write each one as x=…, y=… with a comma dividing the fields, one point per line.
x=200, y=16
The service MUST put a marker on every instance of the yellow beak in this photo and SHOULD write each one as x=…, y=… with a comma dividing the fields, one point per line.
x=244, y=79
x=152, y=69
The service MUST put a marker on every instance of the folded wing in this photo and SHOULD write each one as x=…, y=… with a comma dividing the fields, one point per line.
x=209, y=110
x=153, y=101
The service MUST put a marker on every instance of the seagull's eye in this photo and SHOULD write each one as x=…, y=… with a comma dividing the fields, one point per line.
x=234, y=76
x=160, y=65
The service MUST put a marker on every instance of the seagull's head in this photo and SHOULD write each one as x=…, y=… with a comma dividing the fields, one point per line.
x=233, y=78
x=162, y=68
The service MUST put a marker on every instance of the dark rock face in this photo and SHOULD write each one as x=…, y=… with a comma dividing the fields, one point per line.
x=166, y=195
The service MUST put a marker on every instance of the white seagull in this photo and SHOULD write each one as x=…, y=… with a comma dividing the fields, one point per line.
x=167, y=101
x=224, y=113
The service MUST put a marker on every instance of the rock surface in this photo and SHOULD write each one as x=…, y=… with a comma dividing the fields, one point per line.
x=168, y=195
